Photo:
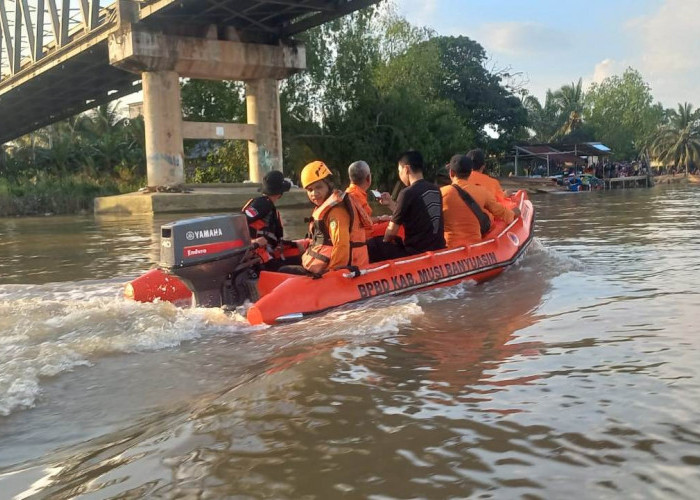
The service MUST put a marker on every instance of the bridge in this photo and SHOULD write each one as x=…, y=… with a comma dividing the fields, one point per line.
x=62, y=57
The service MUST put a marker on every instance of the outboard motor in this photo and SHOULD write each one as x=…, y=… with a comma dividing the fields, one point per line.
x=211, y=255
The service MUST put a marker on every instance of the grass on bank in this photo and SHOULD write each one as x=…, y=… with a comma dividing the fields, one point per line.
x=58, y=195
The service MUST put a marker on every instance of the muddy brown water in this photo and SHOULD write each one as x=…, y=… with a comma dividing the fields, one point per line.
x=574, y=373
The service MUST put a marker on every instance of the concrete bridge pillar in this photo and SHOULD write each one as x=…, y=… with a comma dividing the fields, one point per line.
x=162, y=58
x=165, y=162
x=263, y=107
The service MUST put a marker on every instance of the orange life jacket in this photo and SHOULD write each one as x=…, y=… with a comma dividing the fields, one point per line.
x=318, y=254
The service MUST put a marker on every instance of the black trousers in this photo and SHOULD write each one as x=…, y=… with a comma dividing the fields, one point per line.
x=276, y=264
x=379, y=249
x=294, y=269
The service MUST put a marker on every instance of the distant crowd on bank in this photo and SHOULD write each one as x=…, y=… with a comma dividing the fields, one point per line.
x=610, y=170
x=343, y=229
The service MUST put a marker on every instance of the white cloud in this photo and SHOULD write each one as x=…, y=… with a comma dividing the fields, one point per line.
x=421, y=12
x=517, y=39
x=604, y=69
x=669, y=46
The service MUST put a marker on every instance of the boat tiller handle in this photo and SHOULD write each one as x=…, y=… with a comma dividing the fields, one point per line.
x=355, y=272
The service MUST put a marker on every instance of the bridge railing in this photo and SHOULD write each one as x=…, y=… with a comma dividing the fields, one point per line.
x=32, y=29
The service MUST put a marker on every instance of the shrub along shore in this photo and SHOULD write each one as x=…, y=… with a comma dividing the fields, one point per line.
x=56, y=196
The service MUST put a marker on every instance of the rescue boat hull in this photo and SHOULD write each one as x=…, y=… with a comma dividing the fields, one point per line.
x=286, y=297
x=301, y=296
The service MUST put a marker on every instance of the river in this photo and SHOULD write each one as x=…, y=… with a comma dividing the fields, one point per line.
x=574, y=373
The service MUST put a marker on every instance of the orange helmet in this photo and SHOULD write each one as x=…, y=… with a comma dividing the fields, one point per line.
x=314, y=171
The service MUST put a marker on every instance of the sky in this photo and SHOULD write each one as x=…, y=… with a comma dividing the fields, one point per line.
x=556, y=42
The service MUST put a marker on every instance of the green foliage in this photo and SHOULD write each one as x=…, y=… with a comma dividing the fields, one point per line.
x=478, y=94
x=47, y=193
x=543, y=119
x=228, y=163
x=62, y=167
x=570, y=98
x=621, y=112
x=560, y=118
x=213, y=101
x=376, y=86
x=677, y=141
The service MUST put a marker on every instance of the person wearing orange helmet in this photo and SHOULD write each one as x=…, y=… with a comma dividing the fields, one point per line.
x=337, y=235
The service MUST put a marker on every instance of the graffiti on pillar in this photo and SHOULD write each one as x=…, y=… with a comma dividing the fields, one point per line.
x=170, y=168
x=267, y=161
x=174, y=161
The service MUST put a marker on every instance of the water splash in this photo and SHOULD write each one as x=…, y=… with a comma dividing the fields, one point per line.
x=59, y=327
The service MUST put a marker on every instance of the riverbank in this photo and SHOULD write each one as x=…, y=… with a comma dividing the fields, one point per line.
x=79, y=194
x=545, y=185
x=531, y=185
x=56, y=196
x=219, y=197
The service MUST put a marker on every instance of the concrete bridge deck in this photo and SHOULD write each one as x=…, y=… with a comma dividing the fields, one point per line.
x=45, y=78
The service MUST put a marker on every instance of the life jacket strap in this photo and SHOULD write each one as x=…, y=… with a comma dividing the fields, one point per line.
x=313, y=253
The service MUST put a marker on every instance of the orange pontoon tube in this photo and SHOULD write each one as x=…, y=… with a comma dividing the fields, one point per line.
x=284, y=297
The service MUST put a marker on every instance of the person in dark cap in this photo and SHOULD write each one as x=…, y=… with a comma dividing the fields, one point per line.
x=264, y=221
x=467, y=209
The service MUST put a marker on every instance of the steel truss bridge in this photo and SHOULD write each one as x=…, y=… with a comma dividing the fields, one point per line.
x=54, y=60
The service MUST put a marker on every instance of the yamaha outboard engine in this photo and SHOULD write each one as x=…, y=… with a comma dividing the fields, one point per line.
x=211, y=255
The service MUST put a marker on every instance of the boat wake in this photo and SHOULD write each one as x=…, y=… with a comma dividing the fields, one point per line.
x=54, y=328
x=59, y=327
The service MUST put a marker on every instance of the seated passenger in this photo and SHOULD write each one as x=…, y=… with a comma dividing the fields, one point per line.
x=262, y=215
x=337, y=229
x=360, y=181
x=418, y=208
x=265, y=223
x=480, y=178
x=465, y=205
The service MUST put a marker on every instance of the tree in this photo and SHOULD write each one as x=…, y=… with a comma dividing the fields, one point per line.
x=570, y=98
x=678, y=140
x=477, y=93
x=542, y=119
x=216, y=101
x=622, y=113
x=561, y=117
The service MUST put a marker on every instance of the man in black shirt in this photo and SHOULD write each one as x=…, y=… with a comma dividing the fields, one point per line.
x=418, y=209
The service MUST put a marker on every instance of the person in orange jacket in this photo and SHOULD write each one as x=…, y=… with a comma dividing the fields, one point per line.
x=360, y=181
x=465, y=205
x=479, y=177
x=337, y=236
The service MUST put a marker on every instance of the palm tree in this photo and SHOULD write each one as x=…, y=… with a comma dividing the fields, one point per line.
x=570, y=126
x=104, y=132
x=561, y=114
x=678, y=141
x=570, y=98
x=543, y=118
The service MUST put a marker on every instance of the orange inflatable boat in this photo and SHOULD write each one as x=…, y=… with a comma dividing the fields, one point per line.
x=219, y=271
